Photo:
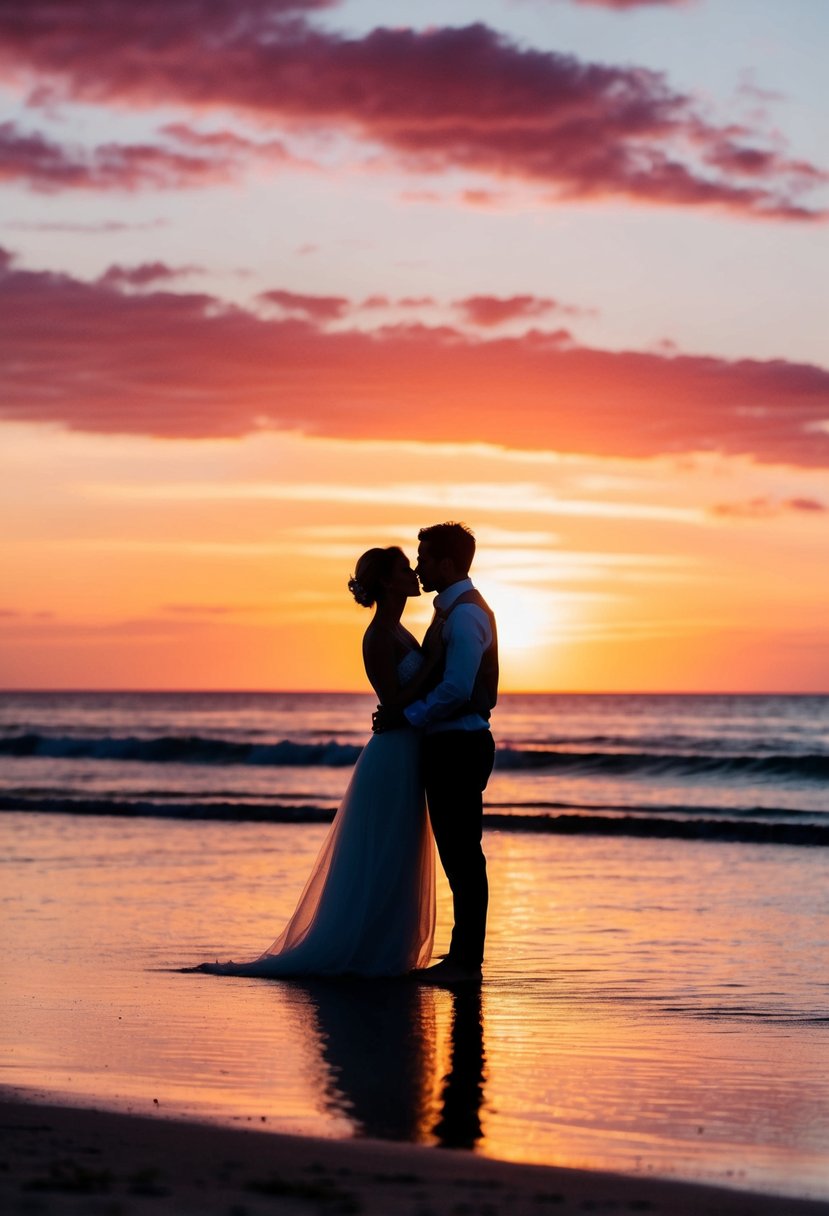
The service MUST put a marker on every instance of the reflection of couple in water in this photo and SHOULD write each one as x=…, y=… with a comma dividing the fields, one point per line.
x=368, y=908
x=391, y=1068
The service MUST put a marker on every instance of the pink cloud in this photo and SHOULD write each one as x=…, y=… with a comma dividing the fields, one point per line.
x=145, y=274
x=232, y=147
x=488, y=311
x=767, y=508
x=761, y=163
x=47, y=167
x=806, y=504
x=199, y=160
x=483, y=198
x=436, y=100
x=183, y=364
x=623, y=5
x=376, y=302
x=386, y=302
x=317, y=308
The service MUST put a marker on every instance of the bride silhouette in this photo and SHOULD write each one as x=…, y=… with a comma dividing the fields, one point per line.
x=368, y=907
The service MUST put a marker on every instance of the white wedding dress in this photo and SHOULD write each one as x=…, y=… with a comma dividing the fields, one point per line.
x=368, y=907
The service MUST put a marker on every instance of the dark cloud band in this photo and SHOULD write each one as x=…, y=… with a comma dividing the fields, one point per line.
x=99, y=356
x=434, y=100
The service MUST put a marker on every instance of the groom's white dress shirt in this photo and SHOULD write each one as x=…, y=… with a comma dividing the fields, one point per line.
x=467, y=634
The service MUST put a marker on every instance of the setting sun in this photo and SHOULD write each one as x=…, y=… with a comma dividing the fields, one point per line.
x=527, y=619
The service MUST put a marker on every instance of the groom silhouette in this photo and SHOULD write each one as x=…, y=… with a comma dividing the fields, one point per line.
x=458, y=749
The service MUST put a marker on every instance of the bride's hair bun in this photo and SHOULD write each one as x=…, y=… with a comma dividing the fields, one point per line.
x=366, y=583
x=359, y=592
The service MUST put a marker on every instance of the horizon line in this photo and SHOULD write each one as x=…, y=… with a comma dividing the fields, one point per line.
x=326, y=692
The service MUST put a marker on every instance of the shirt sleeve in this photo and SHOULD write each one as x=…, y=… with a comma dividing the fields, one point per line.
x=468, y=634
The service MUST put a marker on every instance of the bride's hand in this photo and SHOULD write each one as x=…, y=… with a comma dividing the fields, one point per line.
x=384, y=718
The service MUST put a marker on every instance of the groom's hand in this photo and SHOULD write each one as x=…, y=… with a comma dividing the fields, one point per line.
x=386, y=719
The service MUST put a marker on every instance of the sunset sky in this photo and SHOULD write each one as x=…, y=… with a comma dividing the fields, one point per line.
x=281, y=280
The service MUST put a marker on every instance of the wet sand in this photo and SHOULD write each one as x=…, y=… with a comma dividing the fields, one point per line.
x=648, y=1010
x=58, y=1161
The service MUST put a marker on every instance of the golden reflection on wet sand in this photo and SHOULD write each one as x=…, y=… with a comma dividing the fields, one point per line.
x=403, y=1061
x=648, y=1005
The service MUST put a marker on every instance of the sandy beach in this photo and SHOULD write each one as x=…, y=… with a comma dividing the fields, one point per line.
x=61, y=1160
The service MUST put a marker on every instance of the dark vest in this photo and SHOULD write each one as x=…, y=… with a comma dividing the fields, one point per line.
x=485, y=690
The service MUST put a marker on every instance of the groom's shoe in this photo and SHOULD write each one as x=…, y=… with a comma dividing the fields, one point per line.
x=449, y=973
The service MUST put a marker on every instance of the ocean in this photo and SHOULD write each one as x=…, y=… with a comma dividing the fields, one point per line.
x=750, y=768
x=656, y=992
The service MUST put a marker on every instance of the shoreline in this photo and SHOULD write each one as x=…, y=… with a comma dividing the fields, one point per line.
x=607, y=822
x=60, y=1159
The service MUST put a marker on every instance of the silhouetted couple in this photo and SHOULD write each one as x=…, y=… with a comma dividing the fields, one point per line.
x=368, y=907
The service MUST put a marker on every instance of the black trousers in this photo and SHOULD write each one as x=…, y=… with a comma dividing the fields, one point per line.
x=456, y=767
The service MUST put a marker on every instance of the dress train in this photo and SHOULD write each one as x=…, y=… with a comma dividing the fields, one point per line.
x=368, y=907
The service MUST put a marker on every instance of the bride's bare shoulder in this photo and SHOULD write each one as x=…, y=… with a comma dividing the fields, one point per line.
x=380, y=660
x=378, y=638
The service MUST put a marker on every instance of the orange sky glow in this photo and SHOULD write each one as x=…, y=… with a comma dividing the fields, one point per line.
x=567, y=296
